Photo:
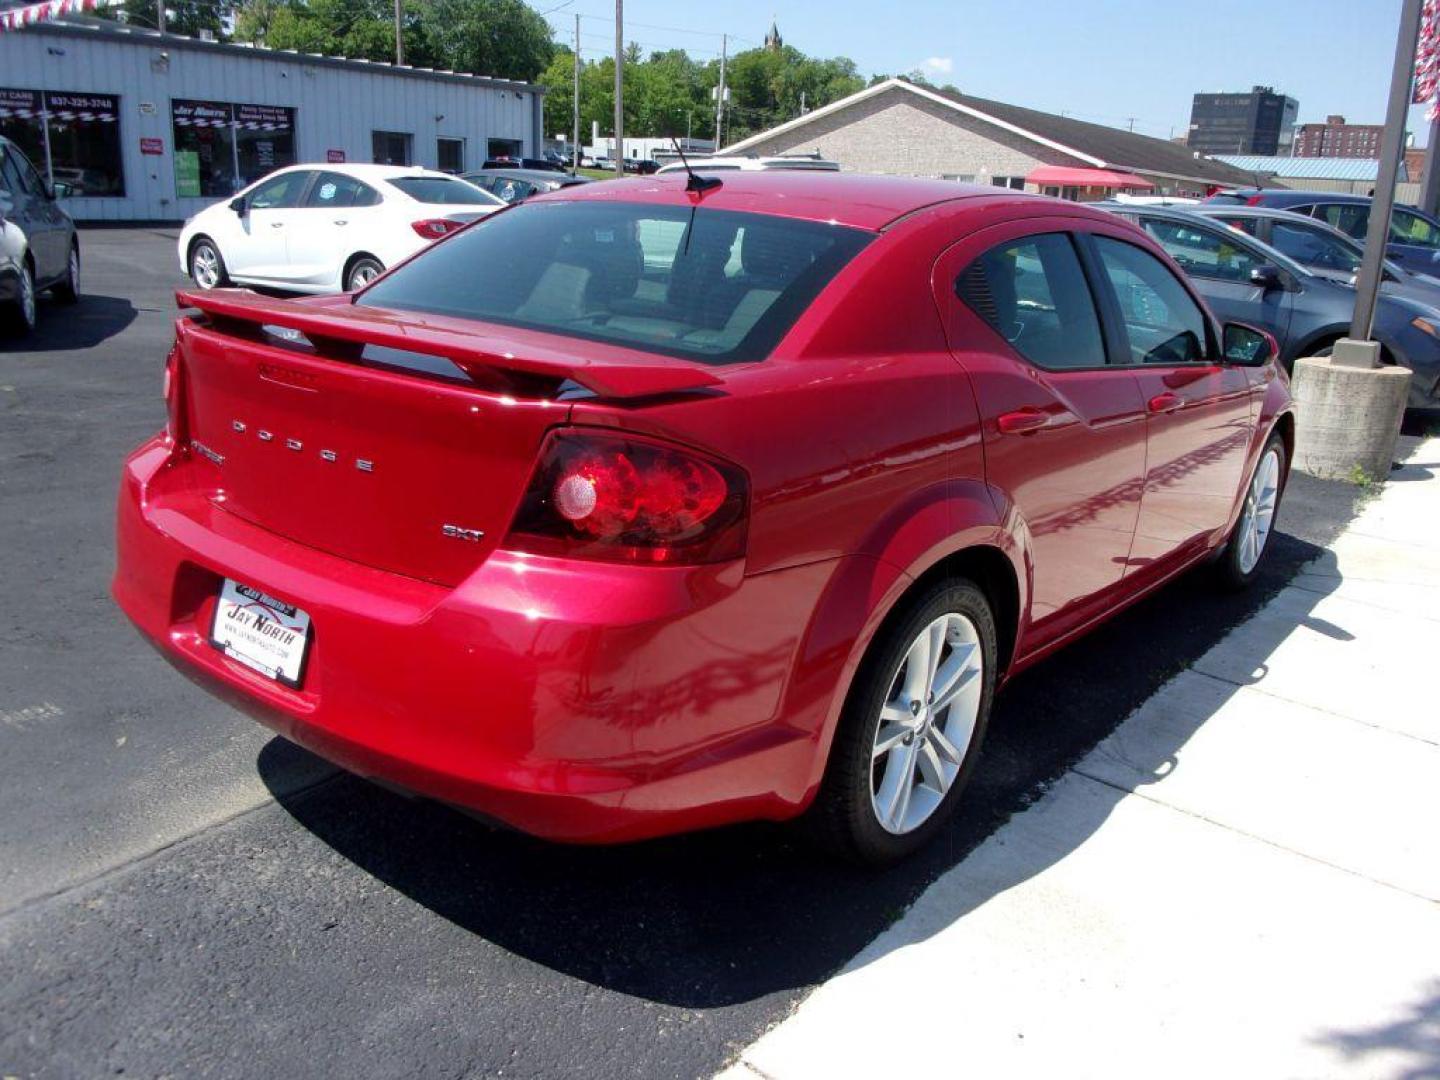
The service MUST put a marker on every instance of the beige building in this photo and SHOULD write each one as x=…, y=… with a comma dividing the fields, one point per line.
x=898, y=128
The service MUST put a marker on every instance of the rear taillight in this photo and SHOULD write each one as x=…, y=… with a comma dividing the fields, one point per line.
x=435, y=228
x=628, y=499
x=1254, y=200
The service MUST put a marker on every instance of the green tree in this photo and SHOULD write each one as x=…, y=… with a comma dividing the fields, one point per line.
x=504, y=38
x=181, y=16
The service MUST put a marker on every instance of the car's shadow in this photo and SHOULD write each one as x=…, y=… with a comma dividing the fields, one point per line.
x=732, y=915
x=92, y=321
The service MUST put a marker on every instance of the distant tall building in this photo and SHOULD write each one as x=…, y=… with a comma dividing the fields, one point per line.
x=773, y=42
x=1336, y=138
x=1258, y=122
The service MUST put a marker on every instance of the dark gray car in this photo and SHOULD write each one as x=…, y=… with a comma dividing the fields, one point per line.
x=1322, y=249
x=38, y=246
x=1248, y=281
x=517, y=185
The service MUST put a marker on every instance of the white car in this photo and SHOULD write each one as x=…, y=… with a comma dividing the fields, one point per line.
x=326, y=228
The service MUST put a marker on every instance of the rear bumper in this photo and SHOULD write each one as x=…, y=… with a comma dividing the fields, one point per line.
x=573, y=700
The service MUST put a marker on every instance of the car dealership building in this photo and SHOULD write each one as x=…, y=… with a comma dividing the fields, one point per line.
x=153, y=127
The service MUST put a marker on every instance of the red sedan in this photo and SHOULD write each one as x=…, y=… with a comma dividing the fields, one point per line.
x=637, y=508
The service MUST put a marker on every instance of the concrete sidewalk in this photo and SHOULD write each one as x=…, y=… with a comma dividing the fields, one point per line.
x=1242, y=880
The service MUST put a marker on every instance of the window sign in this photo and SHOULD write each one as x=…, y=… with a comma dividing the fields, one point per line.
x=73, y=136
x=229, y=145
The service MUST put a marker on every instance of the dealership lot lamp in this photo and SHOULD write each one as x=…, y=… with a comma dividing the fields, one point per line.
x=1349, y=406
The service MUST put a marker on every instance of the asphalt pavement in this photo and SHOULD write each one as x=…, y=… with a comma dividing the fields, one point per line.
x=182, y=893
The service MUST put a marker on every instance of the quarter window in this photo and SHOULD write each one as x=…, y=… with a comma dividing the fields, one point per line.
x=1034, y=294
x=1163, y=322
x=1203, y=252
x=1309, y=246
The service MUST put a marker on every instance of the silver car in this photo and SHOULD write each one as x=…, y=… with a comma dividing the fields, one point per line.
x=38, y=246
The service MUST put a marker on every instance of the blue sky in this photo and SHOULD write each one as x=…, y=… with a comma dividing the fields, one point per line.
x=1102, y=60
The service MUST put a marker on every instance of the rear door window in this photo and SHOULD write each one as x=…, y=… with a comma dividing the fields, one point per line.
x=1310, y=245
x=1033, y=292
x=1163, y=322
x=1350, y=218
x=335, y=190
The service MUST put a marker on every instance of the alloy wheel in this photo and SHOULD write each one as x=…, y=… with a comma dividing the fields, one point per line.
x=364, y=273
x=27, y=297
x=205, y=267
x=73, y=280
x=926, y=724
x=1259, y=512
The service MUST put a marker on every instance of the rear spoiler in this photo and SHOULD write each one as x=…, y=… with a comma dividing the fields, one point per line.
x=330, y=323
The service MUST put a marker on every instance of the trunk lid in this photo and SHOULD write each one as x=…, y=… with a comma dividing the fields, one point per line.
x=396, y=443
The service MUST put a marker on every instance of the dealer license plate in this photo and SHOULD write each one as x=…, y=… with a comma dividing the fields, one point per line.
x=261, y=632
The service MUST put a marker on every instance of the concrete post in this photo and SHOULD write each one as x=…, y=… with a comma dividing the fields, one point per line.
x=1348, y=412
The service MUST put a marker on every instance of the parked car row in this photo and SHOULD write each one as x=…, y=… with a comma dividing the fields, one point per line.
x=1299, y=286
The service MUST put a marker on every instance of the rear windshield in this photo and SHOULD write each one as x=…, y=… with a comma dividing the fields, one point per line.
x=440, y=191
x=710, y=285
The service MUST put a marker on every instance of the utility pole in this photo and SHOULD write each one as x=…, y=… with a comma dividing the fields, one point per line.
x=1130, y=123
x=160, y=15
x=575, y=157
x=720, y=94
x=1392, y=140
x=399, y=45
x=619, y=88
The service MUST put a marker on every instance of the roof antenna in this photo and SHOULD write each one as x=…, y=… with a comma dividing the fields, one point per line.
x=696, y=183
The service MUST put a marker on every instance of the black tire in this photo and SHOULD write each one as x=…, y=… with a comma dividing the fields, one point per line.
x=362, y=271
x=1230, y=567
x=68, y=290
x=19, y=317
x=198, y=251
x=843, y=818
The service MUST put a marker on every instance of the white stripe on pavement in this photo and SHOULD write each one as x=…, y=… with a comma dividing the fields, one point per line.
x=1241, y=880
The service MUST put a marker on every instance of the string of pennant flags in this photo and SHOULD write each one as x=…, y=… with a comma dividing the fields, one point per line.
x=19, y=18
x=1427, y=59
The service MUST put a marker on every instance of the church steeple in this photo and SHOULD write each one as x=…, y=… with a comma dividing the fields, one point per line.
x=773, y=42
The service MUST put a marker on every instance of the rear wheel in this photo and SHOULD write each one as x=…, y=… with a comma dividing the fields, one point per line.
x=912, y=727
x=68, y=291
x=20, y=319
x=362, y=271
x=1240, y=560
x=207, y=268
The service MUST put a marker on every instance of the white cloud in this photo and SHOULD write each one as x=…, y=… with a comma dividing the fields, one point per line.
x=937, y=65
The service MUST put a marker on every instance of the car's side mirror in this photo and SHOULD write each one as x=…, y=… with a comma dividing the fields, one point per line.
x=1248, y=346
x=238, y=205
x=1267, y=277
x=61, y=190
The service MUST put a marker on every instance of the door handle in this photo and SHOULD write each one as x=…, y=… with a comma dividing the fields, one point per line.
x=1165, y=403
x=341, y=221
x=1021, y=421
x=277, y=224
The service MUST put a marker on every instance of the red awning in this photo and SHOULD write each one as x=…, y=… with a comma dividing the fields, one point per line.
x=1065, y=176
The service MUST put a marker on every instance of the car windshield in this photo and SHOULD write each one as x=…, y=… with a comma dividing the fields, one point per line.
x=711, y=285
x=442, y=191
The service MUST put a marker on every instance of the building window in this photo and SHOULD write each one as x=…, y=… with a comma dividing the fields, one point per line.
x=391, y=147
x=82, y=131
x=221, y=147
x=450, y=155
x=504, y=148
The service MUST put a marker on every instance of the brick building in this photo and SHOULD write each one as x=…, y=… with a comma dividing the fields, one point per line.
x=1336, y=138
x=900, y=129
